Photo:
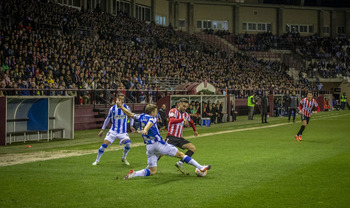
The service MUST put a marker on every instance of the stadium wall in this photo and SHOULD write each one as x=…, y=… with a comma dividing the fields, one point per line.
x=258, y=15
x=144, y=2
x=162, y=9
x=2, y=121
x=184, y=14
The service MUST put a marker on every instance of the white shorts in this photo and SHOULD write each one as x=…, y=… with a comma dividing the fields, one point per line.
x=112, y=135
x=157, y=149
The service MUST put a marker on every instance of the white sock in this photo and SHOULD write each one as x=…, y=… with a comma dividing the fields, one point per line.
x=191, y=161
x=142, y=173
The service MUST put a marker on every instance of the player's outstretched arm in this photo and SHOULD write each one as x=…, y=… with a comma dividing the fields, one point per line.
x=147, y=127
x=126, y=111
x=105, y=123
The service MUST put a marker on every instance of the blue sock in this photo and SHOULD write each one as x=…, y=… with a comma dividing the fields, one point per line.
x=126, y=148
x=101, y=151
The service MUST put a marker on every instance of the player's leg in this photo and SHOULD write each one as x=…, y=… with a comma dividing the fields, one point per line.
x=152, y=165
x=191, y=149
x=110, y=137
x=124, y=139
x=191, y=161
x=302, y=128
x=170, y=150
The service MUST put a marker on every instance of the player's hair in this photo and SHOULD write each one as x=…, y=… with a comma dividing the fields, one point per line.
x=312, y=93
x=150, y=108
x=183, y=100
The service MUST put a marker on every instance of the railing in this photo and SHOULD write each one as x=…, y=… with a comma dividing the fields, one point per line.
x=97, y=96
x=165, y=83
x=105, y=97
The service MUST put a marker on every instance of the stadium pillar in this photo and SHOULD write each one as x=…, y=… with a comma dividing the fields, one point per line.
x=110, y=7
x=321, y=22
x=333, y=24
x=176, y=14
x=153, y=9
x=171, y=12
x=279, y=29
x=236, y=19
x=84, y=4
x=347, y=23
x=133, y=9
x=190, y=13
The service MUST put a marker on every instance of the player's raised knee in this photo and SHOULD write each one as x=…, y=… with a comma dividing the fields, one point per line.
x=192, y=148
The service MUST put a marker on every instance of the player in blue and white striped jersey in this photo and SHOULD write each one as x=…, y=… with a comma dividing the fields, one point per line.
x=118, y=130
x=155, y=144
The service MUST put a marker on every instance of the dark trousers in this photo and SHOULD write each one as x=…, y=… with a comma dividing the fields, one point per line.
x=343, y=104
x=290, y=113
x=263, y=117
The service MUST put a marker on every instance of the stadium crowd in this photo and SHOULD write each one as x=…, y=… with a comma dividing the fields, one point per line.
x=329, y=57
x=49, y=46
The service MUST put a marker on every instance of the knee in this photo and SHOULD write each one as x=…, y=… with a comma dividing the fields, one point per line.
x=192, y=148
x=127, y=144
x=304, y=124
x=153, y=171
x=179, y=154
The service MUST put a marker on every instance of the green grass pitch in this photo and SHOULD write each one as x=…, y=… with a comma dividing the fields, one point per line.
x=254, y=165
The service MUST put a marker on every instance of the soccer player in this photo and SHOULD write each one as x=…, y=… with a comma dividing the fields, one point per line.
x=118, y=130
x=305, y=108
x=155, y=144
x=178, y=117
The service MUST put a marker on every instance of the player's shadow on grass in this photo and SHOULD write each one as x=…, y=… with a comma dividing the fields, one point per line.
x=175, y=178
x=319, y=141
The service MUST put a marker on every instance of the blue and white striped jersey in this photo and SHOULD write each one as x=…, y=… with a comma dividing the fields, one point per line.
x=153, y=133
x=119, y=119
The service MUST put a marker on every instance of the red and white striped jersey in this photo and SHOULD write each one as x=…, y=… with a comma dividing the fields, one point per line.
x=305, y=106
x=175, y=129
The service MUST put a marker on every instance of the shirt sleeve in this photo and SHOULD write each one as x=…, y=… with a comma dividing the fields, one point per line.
x=153, y=120
x=172, y=113
x=137, y=116
x=110, y=114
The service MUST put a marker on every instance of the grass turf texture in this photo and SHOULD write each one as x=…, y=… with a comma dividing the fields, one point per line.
x=255, y=168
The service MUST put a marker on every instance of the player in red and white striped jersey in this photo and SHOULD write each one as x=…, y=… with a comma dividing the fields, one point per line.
x=178, y=117
x=306, y=106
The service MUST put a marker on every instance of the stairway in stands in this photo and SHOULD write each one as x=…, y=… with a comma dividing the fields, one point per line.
x=165, y=83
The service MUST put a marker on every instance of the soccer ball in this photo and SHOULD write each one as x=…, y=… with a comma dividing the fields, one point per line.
x=200, y=173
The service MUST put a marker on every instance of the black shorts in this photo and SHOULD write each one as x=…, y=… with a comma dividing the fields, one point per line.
x=176, y=141
x=305, y=118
